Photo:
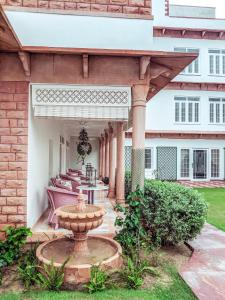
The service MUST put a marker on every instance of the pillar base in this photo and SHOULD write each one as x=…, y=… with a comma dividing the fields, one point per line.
x=120, y=201
x=112, y=194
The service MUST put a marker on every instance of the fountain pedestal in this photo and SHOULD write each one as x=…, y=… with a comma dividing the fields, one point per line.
x=83, y=250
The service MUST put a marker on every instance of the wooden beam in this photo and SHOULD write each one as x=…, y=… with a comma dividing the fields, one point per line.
x=25, y=60
x=144, y=63
x=85, y=65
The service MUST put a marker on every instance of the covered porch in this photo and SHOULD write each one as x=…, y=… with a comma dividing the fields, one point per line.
x=101, y=79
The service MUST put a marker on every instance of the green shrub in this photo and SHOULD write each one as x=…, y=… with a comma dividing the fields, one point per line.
x=97, y=281
x=134, y=272
x=52, y=277
x=132, y=234
x=172, y=213
x=127, y=183
x=28, y=267
x=10, y=248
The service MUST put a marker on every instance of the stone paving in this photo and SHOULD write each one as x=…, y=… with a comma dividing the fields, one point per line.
x=205, y=271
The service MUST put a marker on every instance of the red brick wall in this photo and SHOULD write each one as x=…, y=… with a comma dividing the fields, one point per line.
x=142, y=7
x=13, y=152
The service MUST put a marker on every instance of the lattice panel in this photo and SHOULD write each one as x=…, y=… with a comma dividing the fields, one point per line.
x=128, y=156
x=73, y=101
x=167, y=163
x=80, y=95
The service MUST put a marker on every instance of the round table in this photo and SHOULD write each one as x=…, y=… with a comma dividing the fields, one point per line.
x=91, y=190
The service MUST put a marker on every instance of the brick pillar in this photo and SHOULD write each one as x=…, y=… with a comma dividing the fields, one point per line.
x=106, y=154
x=100, y=159
x=120, y=172
x=103, y=156
x=112, y=163
x=139, y=94
x=13, y=152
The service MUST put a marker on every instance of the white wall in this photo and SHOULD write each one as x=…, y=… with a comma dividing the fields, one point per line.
x=39, y=134
x=160, y=112
x=93, y=158
x=180, y=144
x=168, y=44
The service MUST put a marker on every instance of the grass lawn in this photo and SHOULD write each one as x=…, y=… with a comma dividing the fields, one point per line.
x=215, y=197
x=176, y=290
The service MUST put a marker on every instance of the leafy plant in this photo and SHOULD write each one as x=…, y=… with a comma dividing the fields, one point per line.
x=127, y=183
x=10, y=248
x=171, y=212
x=134, y=272
x=51, y=277
x=97, y=281
x=28, y=267
x=132, y=235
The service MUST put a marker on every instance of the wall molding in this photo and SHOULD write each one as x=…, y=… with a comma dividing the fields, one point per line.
x=181, y=135
x=196, y=86
x=189, y=33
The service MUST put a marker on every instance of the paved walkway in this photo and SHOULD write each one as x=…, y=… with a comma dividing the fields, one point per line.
x=205, y=271
x=203, y=184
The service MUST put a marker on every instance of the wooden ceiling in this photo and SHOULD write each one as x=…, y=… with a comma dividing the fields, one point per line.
x=8, y=39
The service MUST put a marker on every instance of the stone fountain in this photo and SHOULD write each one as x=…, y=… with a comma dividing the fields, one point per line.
x=83, y=250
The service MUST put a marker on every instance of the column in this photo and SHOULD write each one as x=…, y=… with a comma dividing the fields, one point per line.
x=120, y=164
x=100, y=158
x=139, y=94
x=106, y=153
x=112, y=163
x=103, y=156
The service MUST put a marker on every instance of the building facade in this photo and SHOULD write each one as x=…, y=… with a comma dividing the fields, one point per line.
x=185, y=121
x=115, y=68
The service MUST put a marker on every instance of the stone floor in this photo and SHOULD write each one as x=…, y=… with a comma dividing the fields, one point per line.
x=205, y=271
x=42, y=230
x=203, y=184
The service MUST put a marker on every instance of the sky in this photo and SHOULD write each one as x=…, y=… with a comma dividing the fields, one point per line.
x=219, y=4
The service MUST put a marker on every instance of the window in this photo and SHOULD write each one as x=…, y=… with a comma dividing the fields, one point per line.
x=184, y=163
x=215, y=163
x=217, y=62
x=148, y=158
x=186, y=109
x=193, y=68
x=217, y=110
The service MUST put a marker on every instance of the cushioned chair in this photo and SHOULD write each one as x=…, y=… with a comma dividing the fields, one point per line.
x=58, y=197
x=59, y=184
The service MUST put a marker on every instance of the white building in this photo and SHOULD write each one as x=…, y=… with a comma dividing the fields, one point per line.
x=185, y=124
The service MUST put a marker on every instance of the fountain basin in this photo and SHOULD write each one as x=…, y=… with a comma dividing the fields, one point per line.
x=72, y=218
x=102, y=251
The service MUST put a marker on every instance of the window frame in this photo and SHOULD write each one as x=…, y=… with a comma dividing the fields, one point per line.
x=217, y=54
x=216, y=102
x=211, y=160
x=151, y=158
x=184, y=118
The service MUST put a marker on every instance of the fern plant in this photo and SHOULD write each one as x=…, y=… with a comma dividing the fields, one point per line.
x=51, y=277
x=134, y=272
x=97, y=281
x=28, y=267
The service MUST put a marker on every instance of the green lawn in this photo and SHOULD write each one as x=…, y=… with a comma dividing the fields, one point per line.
x=215, y=197
x=176, y=290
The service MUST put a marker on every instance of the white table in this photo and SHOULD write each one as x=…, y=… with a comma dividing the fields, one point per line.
x=91, y=190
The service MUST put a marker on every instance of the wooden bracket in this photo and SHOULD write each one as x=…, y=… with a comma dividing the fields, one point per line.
x=156, y=70
x=25, y=60
x=144, y=62
x=85, y=65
